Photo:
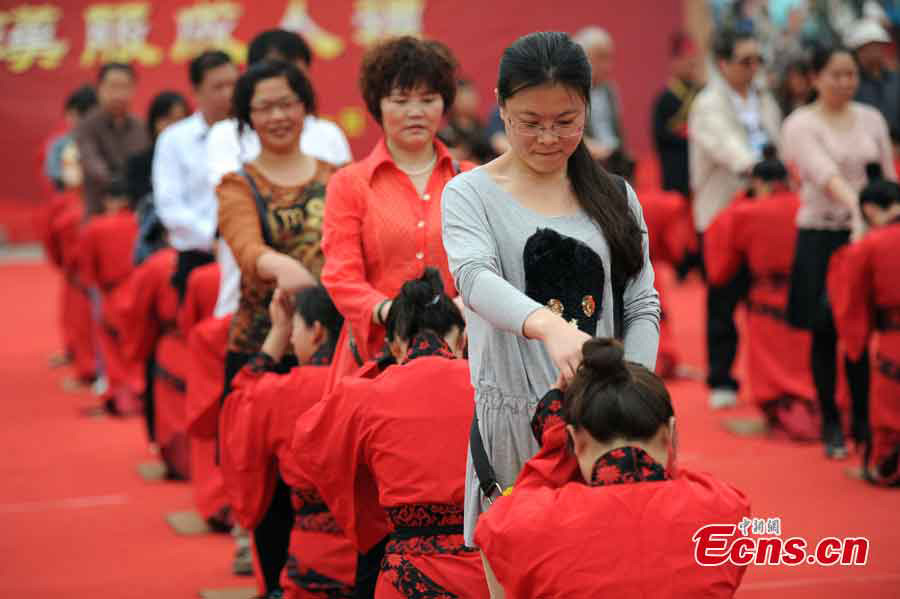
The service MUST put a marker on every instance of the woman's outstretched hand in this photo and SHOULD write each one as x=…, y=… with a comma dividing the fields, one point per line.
x=562, y=340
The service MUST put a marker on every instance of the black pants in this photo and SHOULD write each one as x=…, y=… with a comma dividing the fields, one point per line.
x=188, y=260
x=809, y=308
x=368, y=566
x=149, y=400
x=824, y=365
x=272, y=536
x=721, y=332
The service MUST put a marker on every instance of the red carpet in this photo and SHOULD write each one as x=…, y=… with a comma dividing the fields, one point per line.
x=78, y=522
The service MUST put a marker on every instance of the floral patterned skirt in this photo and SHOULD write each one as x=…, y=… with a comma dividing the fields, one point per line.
x=426, y=557
x=321, y=561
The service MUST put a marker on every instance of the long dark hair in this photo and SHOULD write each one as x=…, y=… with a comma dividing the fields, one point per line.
x=553, y=58
x=611, y=398
x=314, y=304
x=821, y=56
x=422, y=305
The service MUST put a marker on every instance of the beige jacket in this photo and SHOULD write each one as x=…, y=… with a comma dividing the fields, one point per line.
x=719, y=151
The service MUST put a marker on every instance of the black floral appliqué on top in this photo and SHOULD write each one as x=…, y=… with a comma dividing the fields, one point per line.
x=626, y=465
x=427, y=343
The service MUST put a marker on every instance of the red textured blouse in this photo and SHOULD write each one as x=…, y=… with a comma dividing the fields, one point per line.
x=378, y=233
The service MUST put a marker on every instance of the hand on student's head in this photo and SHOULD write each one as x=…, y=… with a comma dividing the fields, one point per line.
x=281, y=310
x=564, y=346
x=561, y=383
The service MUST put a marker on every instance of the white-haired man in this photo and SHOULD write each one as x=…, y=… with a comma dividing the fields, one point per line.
x=604, y=132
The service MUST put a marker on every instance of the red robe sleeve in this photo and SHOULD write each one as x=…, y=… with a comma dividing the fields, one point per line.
x=200, y=297
x=206, y=376
x=245, y=442
x=680, y=235
x=849, y=291
x=139, y=306
x=88, y=268
x=344, y=272
x=49, y=228
x=552, y=466
x=69, y=239
x=329, y=448
x=722, y=254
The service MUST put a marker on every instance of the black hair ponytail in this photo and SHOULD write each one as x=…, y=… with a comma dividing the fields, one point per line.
x=422, y=305
x=553, y=58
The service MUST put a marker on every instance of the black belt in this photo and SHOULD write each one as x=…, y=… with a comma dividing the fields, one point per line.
x=309, y=509
x=888, y=367
x=887, y=319
x=73, y=280
x=404, y=533
x=174, y=381
x=112, y=285
x=768, y=310
x=774, y=279
x=112, y=331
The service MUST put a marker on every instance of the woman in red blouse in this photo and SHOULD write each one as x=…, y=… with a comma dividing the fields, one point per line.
x=382, y=221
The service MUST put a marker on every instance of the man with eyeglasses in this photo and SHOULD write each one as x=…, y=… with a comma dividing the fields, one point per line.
x=730, y=123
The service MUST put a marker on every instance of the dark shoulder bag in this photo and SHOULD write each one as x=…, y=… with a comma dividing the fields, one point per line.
x=262, y=207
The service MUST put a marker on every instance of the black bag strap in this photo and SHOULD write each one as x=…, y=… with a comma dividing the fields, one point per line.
x=487, y=478
x=618, y=281
x=261, y=207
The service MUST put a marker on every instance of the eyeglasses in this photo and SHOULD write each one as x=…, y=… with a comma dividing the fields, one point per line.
x=561, y=130
x=751, y=61
x=286, y=105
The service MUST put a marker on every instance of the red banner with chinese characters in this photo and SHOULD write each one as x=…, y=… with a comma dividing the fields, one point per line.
x=49, y=48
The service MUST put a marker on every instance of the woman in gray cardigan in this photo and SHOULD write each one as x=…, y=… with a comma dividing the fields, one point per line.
x=518, y=348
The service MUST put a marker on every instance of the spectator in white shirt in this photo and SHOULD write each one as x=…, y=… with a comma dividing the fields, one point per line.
x=227, y=149
x=729, y=124
x=184, y=198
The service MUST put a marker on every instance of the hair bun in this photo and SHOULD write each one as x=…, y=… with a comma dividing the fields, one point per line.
x=604, y=359
x=422, y=291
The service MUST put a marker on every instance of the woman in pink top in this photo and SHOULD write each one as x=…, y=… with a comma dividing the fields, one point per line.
x=827, y=145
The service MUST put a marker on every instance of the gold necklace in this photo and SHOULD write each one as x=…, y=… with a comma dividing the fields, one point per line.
x=424, y=170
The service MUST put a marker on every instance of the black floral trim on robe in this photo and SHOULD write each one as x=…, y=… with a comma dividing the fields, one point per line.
x=626, y=465
x=410, y=581
x=315, y=582
x=311, y=514
x=322, y=356
x=427, y=343
x=261, y=363
x=548, y=411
